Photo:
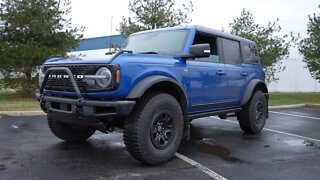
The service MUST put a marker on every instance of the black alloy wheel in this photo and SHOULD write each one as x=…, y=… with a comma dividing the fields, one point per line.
x=162, y=129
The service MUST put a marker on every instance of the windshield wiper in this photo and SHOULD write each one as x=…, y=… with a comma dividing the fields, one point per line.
x=148, y=52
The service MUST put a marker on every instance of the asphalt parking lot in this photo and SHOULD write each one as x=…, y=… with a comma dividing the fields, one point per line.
x=288, y=148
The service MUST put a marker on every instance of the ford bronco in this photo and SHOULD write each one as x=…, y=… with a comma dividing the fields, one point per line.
x=154, y=87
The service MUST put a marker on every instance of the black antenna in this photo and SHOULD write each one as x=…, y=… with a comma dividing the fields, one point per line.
x=110, y=43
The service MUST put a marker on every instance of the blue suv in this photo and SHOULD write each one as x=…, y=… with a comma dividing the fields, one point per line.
x=154, y=87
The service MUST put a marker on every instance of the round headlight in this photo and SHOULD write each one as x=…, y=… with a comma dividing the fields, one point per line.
x=105, y=77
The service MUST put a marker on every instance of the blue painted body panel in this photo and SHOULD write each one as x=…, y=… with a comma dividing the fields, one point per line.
x=76, y=60
x=205, y=85
x=199, y=80
x=236, y=82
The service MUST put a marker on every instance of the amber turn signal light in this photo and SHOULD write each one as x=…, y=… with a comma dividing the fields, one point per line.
x=118, y=76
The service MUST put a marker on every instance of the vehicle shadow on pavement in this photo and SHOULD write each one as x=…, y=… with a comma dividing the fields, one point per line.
x=98, y=151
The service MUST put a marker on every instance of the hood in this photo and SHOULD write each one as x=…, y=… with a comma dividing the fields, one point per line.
x=79, y=60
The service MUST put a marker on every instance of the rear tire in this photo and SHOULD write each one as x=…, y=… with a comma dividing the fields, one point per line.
x=154, y=131
x=69, y=132
x=254, y=114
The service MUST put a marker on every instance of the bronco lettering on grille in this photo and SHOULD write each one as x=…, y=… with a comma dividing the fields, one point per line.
x=65, y=76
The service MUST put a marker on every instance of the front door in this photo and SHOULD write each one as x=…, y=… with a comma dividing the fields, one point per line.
x=208, y=85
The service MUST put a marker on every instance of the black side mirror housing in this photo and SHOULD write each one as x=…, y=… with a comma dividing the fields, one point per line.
x=200, y=50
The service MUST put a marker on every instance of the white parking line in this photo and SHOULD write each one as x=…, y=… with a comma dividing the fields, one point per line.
x=203, y=168
x=294, y=135
x=271, y=130
x=294, y=115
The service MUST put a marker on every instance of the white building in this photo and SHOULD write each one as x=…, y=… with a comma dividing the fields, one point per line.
x=295, y=78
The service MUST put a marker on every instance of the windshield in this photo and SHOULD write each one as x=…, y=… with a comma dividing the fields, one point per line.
x=159, y=42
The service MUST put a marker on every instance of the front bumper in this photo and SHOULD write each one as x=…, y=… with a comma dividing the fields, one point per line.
x=80, y=108
x=85, y=108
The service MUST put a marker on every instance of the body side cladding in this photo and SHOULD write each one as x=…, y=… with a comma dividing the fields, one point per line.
x=214, y=105
x=250, y=88
x=213, y=113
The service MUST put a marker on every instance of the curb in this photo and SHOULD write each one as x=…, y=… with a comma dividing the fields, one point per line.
x=21, y=113
x=288, y=106
x=314, y=106
x=40, y=113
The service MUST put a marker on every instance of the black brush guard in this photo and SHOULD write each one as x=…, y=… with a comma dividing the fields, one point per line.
x=71, y=110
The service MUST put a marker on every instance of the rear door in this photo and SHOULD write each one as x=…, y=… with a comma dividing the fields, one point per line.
x=236, y=70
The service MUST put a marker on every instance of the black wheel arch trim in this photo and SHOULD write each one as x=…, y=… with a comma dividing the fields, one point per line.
x=143, y=85
x=250, y=88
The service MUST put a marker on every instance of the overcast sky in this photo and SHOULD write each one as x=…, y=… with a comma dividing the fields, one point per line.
x=96, y=15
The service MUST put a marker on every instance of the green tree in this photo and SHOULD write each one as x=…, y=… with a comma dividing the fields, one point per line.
x=32, y=31
x=310, y=46
x=272, y=48
x=151, y=14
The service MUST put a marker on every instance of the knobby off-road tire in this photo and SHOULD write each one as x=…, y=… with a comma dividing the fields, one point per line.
x=68, y=132
x=254, y=114
x=154, y=131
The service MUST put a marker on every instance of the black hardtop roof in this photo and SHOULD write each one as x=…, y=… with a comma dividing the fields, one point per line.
x=221, y=34
x=201, y=29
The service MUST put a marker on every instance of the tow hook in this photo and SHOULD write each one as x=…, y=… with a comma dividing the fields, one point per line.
x=43, y=106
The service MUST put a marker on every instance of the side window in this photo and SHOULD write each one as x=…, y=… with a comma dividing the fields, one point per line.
x=231, y=50
x=202, y=38
x=250, y=53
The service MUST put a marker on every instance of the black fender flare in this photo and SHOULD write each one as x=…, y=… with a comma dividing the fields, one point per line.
x=143, y=85
x=250, y=88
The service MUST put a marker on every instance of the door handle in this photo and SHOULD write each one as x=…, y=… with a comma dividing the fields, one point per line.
x=220, y=73
x=244, y=74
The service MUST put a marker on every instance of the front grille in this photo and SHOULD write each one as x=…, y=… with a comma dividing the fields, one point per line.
x=75, y=69
x=64, y=84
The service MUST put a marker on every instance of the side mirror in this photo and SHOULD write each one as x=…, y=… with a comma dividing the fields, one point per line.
x=200, y=50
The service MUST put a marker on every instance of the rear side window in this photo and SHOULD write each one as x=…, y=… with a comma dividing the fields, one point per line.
x=250, y=53
x=231, y=50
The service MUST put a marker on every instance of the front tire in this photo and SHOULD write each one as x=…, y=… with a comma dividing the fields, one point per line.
x=69, y=132
x=254, y=114
x=154, y=131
